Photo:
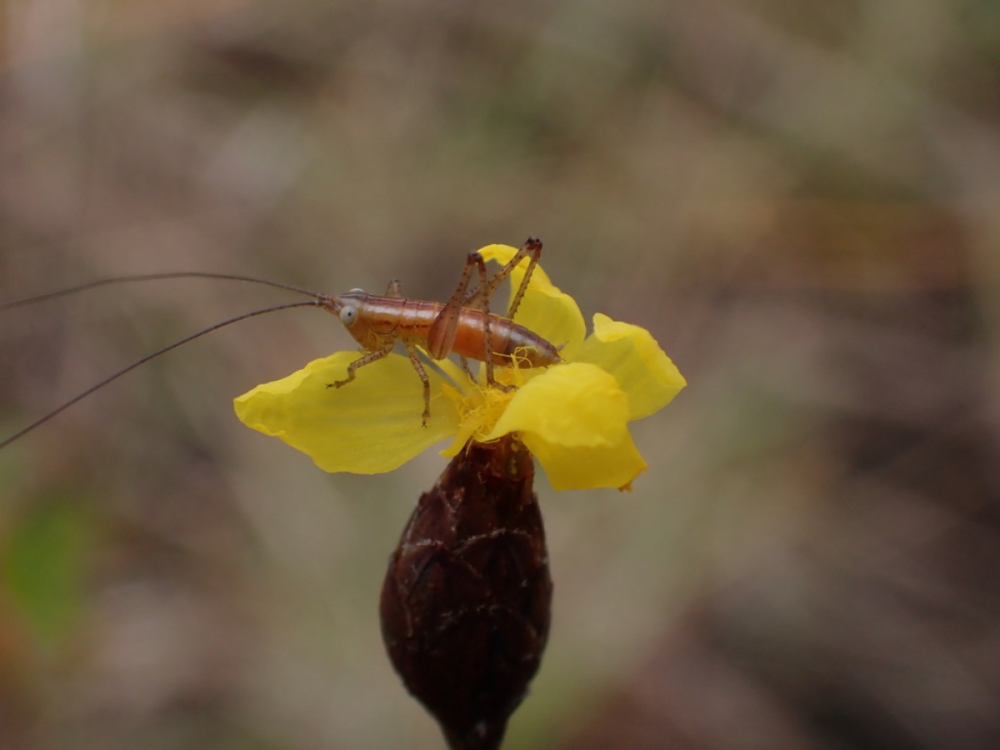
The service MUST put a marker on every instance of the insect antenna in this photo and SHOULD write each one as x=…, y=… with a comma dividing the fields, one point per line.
x=317, y=302
x=153, y=277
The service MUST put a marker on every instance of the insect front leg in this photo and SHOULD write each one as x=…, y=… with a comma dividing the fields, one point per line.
x=367, y=359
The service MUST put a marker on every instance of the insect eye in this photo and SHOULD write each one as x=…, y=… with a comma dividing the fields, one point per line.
x=348, y=314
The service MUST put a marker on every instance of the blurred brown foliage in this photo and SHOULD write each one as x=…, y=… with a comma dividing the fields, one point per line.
x=800, y=200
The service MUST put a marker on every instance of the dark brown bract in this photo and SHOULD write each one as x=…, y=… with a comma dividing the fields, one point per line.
x=467, y=598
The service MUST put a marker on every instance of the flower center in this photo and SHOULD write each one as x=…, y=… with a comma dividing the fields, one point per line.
x=481, y=405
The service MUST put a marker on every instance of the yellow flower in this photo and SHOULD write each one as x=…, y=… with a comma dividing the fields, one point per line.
x=573, y=416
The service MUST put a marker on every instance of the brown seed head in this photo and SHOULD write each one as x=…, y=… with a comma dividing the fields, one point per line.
x=467, y=597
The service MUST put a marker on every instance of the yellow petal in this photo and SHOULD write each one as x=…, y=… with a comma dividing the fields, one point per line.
x=544, y=309
x=457, y=375
x=637, y=362
x=585, y=467
x=572, y=405
x=368, y=426
x=466, y=405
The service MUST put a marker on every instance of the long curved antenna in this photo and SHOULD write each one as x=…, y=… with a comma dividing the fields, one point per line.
x=38, y=422
x=153, y=277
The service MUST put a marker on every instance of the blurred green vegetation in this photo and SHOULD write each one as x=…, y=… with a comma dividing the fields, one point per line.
x=44, y=567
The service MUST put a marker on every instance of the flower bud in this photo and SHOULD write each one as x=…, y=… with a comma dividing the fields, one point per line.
x=466, y=600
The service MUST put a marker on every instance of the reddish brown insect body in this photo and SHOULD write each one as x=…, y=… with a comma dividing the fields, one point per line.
x=462, y=326
x=381, y=321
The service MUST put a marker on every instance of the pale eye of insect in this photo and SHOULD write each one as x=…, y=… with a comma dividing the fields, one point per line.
x=348, y=314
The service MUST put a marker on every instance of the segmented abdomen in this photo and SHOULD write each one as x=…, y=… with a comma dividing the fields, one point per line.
x=411, y=320
x=509, y=340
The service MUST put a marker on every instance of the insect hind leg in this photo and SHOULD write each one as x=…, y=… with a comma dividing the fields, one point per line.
x=487, y=333
x=442, y=333
x=478, y=298
x=533, y=248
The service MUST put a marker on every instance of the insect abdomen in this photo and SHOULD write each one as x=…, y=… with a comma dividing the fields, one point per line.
x=507, y=337
x=382, y=320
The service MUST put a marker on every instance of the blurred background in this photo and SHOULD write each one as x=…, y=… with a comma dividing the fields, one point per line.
x=800, y=199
